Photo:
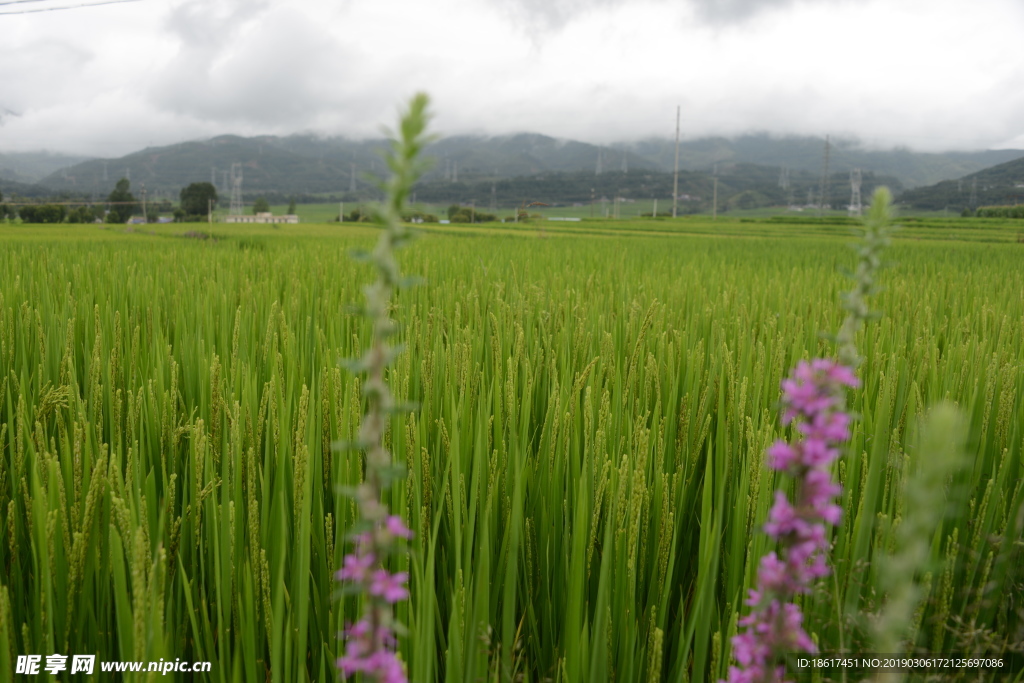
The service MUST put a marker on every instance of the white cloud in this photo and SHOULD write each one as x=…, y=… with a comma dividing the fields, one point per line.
x=930, y=74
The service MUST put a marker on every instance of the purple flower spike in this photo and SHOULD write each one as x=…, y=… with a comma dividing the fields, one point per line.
x=812, y=401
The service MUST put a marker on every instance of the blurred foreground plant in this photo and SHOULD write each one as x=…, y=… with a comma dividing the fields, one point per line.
x=370, y=642
x=905, y=574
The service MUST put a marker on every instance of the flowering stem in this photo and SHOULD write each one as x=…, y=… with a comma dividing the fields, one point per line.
x=370, y=642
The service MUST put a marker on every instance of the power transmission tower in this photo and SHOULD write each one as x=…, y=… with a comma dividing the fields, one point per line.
x=494, y=197
x=855, y=204
x=675, y=174
x=824, y=191
x=785, y=184
x=236, y=189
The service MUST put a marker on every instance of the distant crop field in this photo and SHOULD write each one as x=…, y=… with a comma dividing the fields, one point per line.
x=584, y=474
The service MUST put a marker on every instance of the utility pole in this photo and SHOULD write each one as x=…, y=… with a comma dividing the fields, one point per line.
x=209, y=211
x=145, y=216
x=675, y=175
x=654, y=212
x=592, y=202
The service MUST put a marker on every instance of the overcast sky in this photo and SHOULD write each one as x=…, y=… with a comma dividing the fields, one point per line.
x=108, y=80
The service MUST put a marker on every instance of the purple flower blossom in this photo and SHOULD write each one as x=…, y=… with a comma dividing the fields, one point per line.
x=396, y=527
x=355, y=567
x=782, y=456
x=813, y=398
x=389, y=586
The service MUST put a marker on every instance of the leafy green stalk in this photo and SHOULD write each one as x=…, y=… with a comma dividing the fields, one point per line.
x=370, y=640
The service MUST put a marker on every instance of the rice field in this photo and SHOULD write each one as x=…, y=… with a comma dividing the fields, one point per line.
x=585, y=472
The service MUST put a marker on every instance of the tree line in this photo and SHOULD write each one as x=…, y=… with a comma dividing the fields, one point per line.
x=196, y=201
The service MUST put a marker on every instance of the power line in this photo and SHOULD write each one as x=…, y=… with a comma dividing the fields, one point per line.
x=57, y=9
x=19, y=2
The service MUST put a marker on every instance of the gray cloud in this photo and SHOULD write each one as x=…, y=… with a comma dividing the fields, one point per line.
x=247, y=64
x=47, y=60
x=543, y=15
x=720, y=12
x=213, y=25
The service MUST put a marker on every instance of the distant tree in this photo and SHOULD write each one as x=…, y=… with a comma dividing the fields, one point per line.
x=196, y=199
x=122, y=202
x=419, y=217
x=260, y=205
x=291, y=207
x=467, y=214
x=83, y=214
x=358, y=216
x=42, y=213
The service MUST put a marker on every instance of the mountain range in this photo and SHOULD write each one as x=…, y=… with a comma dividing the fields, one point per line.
x=311, y=167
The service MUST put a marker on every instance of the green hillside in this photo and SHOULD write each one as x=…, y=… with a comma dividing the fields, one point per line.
x=999, y=185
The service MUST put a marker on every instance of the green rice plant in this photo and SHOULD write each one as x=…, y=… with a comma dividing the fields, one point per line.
x=585, y=474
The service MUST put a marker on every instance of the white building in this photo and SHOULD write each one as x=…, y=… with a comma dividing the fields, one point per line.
x=263, y=217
